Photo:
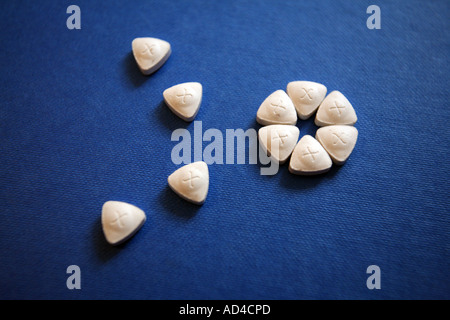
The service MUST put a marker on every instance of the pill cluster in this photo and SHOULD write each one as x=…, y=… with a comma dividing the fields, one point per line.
x=279, y=135
x=334, y=141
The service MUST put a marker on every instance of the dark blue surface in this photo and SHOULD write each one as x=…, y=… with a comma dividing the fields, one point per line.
x=79, y=125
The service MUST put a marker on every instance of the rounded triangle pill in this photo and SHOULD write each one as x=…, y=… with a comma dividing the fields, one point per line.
x=335, y=109
x=277, y=108
x=184, y=99
x=150, y=53
x=309, y=157
x=306, y=96
x=338, y=141
x=278, y=141
x=120, y=221
x=191, y=182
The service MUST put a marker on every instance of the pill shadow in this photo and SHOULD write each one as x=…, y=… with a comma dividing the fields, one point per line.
x=168, y=118
x=132, y=71
x=176, y=206
x=255, y=125
x=298, y=182
x=102, y=248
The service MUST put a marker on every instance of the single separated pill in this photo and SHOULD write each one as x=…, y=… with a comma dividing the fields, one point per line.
x=150, y=53
x=277, y=108
x=335, y=109
x=338, y=141
x=184, y=99
x=120, y=221
x=278, y=140
x=309, y=157
x=306, y=96
x=191, y=182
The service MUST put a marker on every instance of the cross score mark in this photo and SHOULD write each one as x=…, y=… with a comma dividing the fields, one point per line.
x=310, y=153
x=277, y=106
x=307, y=93
x=338, y=107
x=190, y=179
x=184, y=95
x=118, y=217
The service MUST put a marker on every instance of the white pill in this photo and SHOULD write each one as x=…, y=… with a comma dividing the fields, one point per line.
x=309, y=157
x=306, y=96
x=278, y=140
x=277, y=108
x=335, y=109
x=338, y=141
x=120, y=221
x=191, y=182
x=184, y=99
x=150, y=53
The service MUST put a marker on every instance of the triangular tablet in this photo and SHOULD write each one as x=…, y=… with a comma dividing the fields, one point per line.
x=277, y=109
x=120, y=221
x=338, y=141
x=309, y=157
x=191, y=182
x=335, y=109
x=278, y=140
x=150, y=53
x=184, y=99
x=306, y=96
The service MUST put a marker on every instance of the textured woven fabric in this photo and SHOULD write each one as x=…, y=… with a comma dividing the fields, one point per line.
x=80, y=125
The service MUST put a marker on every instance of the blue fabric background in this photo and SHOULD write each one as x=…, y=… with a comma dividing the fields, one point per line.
x=80, y=125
